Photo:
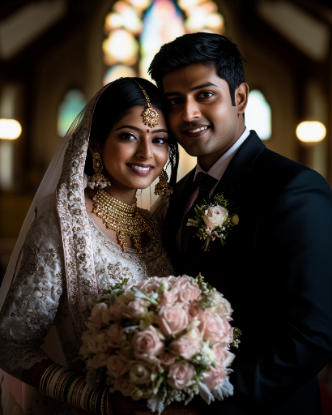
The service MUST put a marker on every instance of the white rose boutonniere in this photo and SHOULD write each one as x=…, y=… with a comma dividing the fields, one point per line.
x=213, y=221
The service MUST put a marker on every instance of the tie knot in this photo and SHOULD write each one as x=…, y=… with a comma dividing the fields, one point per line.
x=205, y=182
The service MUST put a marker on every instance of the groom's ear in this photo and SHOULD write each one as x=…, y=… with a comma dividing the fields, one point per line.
x=241, y=97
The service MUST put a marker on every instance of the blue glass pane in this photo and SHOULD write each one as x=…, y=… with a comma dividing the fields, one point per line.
x=70, y=107
x=258, y=115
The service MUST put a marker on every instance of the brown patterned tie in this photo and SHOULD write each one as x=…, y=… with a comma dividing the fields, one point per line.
x=205, y=184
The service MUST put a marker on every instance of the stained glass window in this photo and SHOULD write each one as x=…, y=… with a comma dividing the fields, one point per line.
x=73, y=103
x=136, y=29
x=258, y=115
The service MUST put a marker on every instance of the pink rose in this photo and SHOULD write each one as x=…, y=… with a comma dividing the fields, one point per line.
x=224, y=356
x=115, y=336
x=180, y=375
x=100, y=338
x=169, y=297
x=214, y=377
x=188, y=291
x=96, y=314
x=185, y=347
x=134, y=309
x=113, y=313
x=117, y=365
x=152, y=284
x=216, y=329
x=172, y=320
x=124, y=386
x=147, y=343
x=90, y=342
x=167, y=359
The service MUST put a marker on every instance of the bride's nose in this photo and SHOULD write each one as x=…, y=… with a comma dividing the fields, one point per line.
x=144, y=150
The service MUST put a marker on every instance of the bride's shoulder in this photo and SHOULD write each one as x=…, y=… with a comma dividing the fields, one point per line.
x=46, y=225
x=156, y=215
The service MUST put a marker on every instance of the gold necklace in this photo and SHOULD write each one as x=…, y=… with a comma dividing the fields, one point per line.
x=122, y=218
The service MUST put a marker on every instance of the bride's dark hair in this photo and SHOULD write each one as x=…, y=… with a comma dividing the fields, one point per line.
x=118, y=98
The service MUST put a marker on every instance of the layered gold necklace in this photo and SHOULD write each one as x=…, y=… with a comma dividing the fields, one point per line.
x=122, y=218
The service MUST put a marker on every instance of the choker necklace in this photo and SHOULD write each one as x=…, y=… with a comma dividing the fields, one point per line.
x=122, y=218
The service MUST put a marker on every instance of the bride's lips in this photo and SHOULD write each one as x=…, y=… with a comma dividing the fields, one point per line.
x=196, y=131
x=140, y=169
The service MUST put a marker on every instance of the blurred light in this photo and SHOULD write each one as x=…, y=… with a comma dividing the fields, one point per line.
x=140, y=5
x=113, y=21
x=188, y=5
x=10, y=129
x=215, y=21
x=310, y=131
x=118, y=71
x=70, y=107
x=120, y=47
x=258, y=115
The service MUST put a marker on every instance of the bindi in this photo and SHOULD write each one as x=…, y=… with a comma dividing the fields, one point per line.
x=147, y=131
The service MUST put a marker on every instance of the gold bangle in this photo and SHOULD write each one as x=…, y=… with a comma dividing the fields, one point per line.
x=103, y=403
x=76, y=393
x=61, y=384
x=85, y=392
x=53, y=378
x=42, y=380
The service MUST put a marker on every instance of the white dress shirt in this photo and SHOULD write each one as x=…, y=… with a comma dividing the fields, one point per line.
x=216, y=171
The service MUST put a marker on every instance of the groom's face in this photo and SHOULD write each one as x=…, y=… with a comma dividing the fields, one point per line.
x=200, y=112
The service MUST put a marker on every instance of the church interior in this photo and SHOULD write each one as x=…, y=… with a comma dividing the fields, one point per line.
x=55, y=55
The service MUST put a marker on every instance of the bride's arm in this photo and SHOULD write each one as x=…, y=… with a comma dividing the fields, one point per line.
x=33, y=300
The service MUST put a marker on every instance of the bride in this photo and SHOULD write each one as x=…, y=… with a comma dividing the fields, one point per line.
x=82, y=232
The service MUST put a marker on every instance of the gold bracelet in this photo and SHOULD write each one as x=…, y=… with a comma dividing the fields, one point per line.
x=42, y=380
x=53, y=378
x=102, y=407
x=60, y=385
x=76, y=392
x=85, y=392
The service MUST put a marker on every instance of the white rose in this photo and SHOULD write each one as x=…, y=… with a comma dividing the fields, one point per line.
x=215, y=216
x=139, y=374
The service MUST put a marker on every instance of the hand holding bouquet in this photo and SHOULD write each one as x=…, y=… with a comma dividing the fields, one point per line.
x=163, y=339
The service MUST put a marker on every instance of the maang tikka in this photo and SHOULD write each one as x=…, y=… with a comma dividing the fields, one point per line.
x=151, y=118
x=98, y=179
x=150, y=115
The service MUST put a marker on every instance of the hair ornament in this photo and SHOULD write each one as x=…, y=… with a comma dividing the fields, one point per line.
x=150, y=115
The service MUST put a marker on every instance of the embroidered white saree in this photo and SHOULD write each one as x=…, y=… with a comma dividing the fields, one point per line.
x=61, y=263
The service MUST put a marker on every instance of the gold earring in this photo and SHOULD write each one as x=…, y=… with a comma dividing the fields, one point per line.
x=163, y=187
x=98, y=179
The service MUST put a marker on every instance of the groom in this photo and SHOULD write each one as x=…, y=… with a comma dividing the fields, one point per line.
x=276, y=265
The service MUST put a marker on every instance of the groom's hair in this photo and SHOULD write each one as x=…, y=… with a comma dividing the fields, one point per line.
x=206, y=48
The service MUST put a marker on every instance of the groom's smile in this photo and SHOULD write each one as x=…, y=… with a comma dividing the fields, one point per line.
x=200, y=111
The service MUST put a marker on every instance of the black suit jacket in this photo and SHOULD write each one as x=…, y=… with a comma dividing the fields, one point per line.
x=276, y=271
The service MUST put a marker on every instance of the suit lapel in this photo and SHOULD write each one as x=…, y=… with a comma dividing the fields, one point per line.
x=231, y=184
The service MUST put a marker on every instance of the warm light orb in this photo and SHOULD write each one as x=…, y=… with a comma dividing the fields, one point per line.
x=310, y=131
x=120, y=46
x=10, y=129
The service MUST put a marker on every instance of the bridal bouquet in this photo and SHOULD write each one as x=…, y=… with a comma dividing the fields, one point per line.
x=163, y=339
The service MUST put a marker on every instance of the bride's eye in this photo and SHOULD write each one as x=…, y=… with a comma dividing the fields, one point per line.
x=127, y=136
x=160, y=140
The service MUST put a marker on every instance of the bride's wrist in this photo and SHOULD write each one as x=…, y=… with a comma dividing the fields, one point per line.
x=66, y=386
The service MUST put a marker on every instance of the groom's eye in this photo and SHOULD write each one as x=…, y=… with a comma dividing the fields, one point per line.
x=173, y=101
x=205, y=94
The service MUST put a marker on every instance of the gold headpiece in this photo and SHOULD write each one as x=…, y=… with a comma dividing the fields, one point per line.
x=150, y=115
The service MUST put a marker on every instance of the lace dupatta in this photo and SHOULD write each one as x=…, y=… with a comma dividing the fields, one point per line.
x=63, y=187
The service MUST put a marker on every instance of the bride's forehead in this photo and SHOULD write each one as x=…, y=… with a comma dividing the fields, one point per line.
x=134, y=116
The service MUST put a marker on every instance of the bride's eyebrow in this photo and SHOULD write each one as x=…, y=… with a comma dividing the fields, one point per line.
x=129, y=126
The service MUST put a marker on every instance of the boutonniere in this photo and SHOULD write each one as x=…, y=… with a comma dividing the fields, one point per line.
x=213, y=221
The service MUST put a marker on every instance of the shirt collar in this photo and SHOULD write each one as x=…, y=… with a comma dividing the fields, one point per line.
x=219, y=167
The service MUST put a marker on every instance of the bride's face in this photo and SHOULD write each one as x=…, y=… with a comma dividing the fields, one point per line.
x=135, y=154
